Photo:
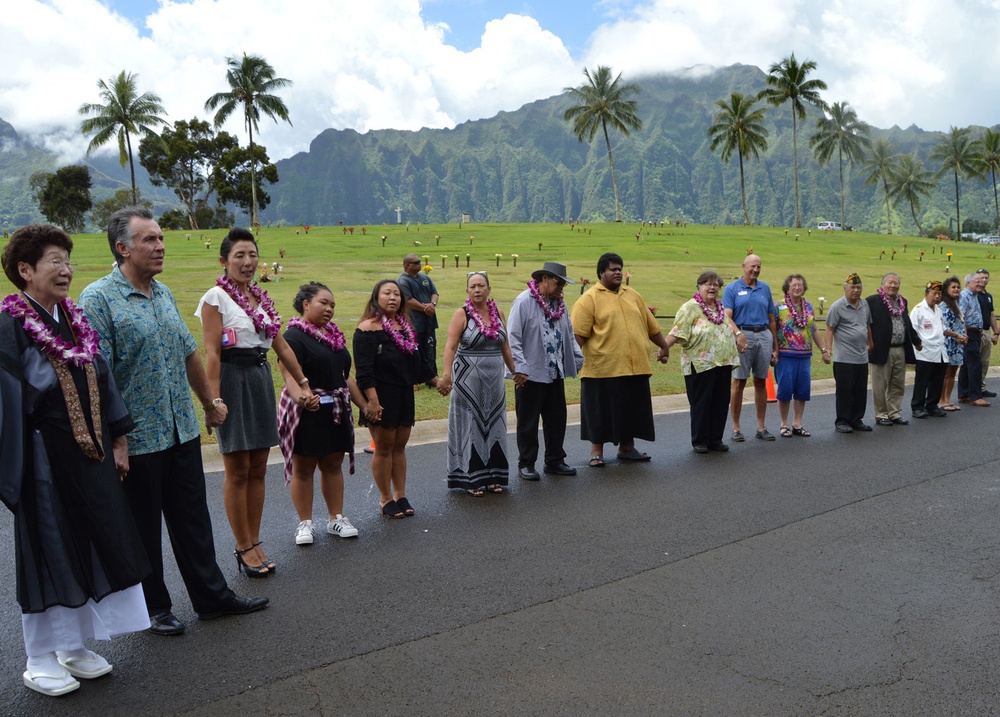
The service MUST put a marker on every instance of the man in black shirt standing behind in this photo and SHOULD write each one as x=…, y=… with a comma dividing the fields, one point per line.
x=989, y=324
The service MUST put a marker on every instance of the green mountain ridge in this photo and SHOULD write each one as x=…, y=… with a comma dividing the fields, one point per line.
x=527, y=166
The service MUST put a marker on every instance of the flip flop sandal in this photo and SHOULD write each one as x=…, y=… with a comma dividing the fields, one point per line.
x=596, y=462
x=801, y=432
x=635, y=455
x=785, y=432
x=495, y=488
x=477, y=492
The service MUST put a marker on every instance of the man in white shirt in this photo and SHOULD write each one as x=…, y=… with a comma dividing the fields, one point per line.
x=932, y=357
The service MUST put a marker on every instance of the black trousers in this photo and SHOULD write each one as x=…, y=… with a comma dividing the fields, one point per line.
x=852, y=392
x=171, y=484
x=708, y=394
x=927, y=384
x=427, y=348
x=970, y=375
x=546, y=401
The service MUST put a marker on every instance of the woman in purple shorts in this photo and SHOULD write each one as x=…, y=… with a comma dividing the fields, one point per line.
x=797, y=334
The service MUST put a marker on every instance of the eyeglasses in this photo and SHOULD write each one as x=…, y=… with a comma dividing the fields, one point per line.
x=59, y=263
x=481, y=273
x=411, y=262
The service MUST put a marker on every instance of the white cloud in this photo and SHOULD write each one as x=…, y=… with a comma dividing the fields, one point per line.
x=363, y=65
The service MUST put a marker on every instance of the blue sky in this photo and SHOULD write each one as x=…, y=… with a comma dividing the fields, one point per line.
x=407, y=64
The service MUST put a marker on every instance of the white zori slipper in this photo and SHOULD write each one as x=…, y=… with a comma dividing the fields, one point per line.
x=52, y=679
x=83, y=663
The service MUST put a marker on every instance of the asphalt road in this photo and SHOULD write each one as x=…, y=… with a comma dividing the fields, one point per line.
x=834, y=575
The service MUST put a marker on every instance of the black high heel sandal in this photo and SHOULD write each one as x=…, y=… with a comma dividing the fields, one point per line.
x=252, y=571
x=270, y=563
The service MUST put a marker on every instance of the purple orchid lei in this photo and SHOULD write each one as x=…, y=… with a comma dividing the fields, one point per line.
x=405, y=338
x=330, y=335
x=273, y=325
x=717, y=316
x=896, y=310
x=87, y=340
x=544, y=305
x=799, y=319
x=491, y=330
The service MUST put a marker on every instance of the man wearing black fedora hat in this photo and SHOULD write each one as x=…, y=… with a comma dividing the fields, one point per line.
x=545, y=354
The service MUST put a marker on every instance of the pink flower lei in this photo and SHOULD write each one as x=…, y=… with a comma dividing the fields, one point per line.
x=896, y=310
x=87, y=340
x=544, y=304
x=406, y=338
x=717, y=316
x=491, y=330
x=273, y=325
x=330, y=335
x=799, y=320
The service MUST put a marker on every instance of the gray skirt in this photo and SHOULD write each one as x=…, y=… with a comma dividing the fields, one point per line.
x=249, y=395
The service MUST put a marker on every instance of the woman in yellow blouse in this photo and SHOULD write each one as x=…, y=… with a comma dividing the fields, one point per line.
x=614, y=326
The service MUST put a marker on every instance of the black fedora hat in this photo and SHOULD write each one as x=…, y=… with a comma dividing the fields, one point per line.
x=555, y=269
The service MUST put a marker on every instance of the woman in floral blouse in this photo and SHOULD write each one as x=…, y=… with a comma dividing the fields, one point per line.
x=796, y=335
x=707, y=359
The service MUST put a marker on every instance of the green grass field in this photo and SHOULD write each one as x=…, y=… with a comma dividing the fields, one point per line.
x=663, y=263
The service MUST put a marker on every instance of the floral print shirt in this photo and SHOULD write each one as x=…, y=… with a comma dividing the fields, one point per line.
x=792, y=340
x=704, y=345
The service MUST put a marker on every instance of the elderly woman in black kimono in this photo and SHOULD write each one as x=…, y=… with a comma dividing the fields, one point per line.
x=64, y=452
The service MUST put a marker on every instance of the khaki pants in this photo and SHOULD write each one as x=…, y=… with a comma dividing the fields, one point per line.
x=888, y=384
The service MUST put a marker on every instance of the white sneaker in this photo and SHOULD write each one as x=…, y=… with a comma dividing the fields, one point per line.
x=304, y=533
x=341, y=526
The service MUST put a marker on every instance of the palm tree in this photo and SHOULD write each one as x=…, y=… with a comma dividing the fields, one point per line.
x=126, y=113
x=844, y=132
x=880, y=165
x=786, y=82
x=910, y=181
x=739, y=127
x=958, y=153
x=990, y=144
x=251, y=82
x=604, y=102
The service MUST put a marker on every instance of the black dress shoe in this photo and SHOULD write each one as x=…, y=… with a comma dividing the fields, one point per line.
x=844, y=428
x=989, y=394
x=528, y=473
x=700, y=448
x=236, y=605
x=937, y=412
x=920, y=413
x=860, y=426
x=718, y=446
x=560, y=469
x=900, y=421
x=164, y=623
x=884, y=422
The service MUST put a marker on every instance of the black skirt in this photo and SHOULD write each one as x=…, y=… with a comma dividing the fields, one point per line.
x=616, y=410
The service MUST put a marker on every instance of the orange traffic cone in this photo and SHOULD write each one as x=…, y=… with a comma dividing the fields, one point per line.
x=772, y=394
x=371, y=448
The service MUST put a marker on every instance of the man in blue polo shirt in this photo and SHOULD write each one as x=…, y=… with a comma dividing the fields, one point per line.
x=750, y=315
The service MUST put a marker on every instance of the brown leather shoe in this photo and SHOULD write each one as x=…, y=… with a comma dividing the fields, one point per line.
x=979, y=402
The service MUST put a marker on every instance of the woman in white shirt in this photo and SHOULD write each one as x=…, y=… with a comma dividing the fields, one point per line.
x=240, y=325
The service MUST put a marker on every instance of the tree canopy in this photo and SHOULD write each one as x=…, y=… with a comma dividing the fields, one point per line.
x=252, y=83
x=63, y=196
x=739, y=127
x=787, y=82
x=125, y=113
x=602, y=102
x=840, y=129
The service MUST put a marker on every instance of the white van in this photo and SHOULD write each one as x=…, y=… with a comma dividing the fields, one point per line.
x=829, y=226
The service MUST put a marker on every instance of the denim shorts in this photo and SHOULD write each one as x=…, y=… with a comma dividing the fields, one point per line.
x=793, y=379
